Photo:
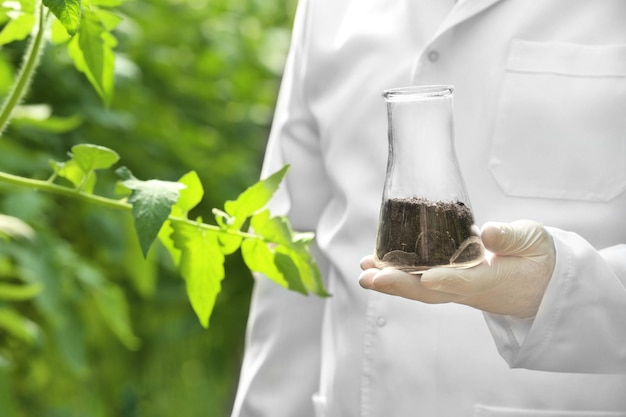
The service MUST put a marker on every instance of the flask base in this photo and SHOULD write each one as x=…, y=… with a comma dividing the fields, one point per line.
x=420, y=269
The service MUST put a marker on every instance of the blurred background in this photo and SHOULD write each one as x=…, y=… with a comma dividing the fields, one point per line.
x=112, y=334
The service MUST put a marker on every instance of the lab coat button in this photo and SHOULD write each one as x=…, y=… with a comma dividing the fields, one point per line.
x=433, y=56
x=381, y=321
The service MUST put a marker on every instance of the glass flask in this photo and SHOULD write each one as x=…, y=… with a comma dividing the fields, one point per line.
x=425, y=218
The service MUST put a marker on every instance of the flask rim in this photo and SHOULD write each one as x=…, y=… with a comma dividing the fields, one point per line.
x=417, y=92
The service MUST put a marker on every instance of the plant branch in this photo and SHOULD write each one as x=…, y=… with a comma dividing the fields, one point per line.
x=50, y=187
x=22, y=82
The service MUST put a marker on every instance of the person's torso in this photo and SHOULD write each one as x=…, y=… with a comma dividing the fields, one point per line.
x=540, y=98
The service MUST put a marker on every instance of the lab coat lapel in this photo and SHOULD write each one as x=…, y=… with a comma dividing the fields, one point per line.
x=463, y=10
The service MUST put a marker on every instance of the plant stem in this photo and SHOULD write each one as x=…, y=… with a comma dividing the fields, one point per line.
x=61, y=190
x=31, y=60
x=50, y=187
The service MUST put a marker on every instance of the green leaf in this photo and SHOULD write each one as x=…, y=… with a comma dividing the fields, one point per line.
x=152, y=203
x=92, y=52
x=67, y=329
x=91, y=157
x=230, y=242
x=18, y=326
x=58, y=33
x=13, y=7
x=202, y=266
x=107, y=3
x=108, y=19
x=254, y=198
x=165, y=237
x=247, y=203
x=294, y=246
x=260, y=257
x=142, y=273
x=67, y=11
x=72, y=172
x=17, y=29
x=111, y=302
x=12, y=227
x=11, y=292
x=189, y=198
x=85, y=160
x=53, y=124
x=71, y=342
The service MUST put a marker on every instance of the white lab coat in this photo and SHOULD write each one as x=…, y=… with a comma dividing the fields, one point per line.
x=540, y=120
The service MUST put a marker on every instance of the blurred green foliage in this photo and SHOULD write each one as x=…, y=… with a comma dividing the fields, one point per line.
x=109, y=334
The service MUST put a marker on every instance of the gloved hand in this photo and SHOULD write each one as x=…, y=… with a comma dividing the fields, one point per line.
x=511, y=280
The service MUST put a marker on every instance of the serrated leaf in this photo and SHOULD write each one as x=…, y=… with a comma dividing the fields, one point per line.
x=247, y=203
x=85, y=160
x=12, y=292
x=202, y=266
x=295, y=246
x=190, y=196
x=230, y=243
x=67, y=11
x=254, y=197
x=260, y=257
x=17, y=29
x=91, y=49
x=276, y=230
x=165, y=237
x=91, y=157
x=74, y=173
x=152, y=203
x=307, y=267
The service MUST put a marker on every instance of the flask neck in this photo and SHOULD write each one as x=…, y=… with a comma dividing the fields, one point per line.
x=422, y=160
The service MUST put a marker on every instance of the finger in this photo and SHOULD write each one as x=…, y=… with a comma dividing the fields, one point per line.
x=460, y=281
x=394, y=282
x=366, y=279
x=522, y=237
x=368, y=262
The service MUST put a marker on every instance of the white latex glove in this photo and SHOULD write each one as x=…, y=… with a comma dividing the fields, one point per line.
x=511, y=280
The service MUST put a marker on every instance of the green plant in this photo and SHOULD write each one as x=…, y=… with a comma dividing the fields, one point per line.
x=12, y=288
x=160, y=209
x=111, y=332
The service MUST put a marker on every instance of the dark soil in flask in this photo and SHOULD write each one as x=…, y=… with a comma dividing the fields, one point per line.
x=418, y=234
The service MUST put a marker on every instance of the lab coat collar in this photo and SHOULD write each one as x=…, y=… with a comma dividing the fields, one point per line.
x=463, y=10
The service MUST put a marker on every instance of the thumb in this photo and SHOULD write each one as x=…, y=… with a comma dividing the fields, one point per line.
x=522, y=237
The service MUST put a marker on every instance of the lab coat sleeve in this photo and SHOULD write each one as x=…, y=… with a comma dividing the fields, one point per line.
x=581, y=323
x=280, y=370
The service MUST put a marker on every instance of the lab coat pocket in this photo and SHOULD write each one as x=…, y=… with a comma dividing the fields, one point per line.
x=319, y=405
x=489, y=411
x=560, y=129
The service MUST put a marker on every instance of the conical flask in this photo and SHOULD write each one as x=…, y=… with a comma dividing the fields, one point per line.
x=426, y=218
